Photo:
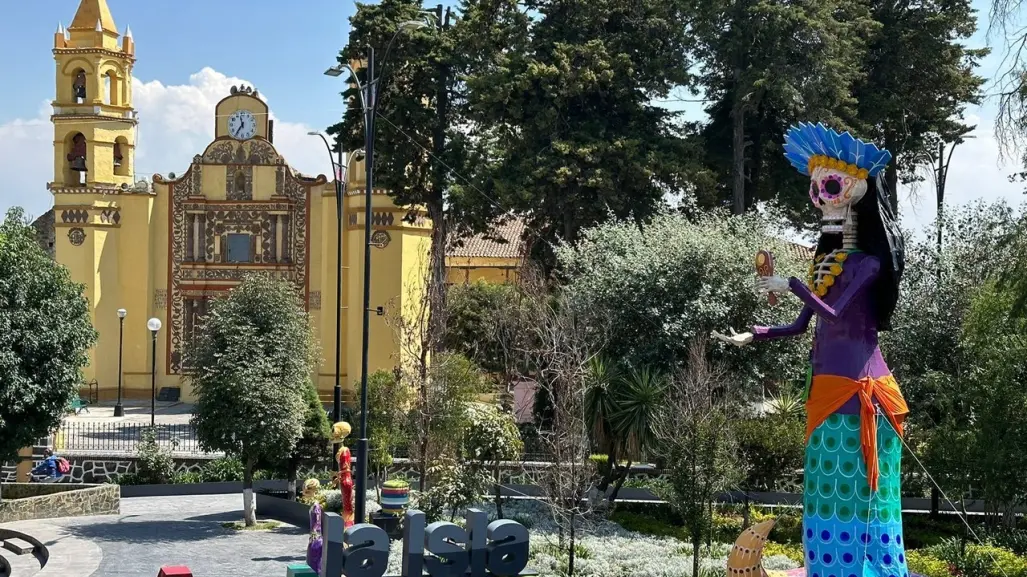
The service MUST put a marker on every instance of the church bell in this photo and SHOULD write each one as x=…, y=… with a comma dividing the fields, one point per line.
x=78, y=163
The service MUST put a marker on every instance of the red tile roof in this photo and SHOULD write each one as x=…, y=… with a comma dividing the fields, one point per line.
x=801, y=252
x=512, y=232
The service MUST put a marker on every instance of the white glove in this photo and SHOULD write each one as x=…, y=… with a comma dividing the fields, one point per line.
x=737, y=339
x=772, y=284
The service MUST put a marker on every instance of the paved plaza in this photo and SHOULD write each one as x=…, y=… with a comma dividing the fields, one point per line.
x=155, y=531
x=136, y=412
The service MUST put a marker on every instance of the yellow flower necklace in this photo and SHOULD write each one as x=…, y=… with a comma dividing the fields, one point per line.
x=834, y=266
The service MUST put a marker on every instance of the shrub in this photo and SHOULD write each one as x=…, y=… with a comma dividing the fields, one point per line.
x=222, y=469
x=791, y=550
x=924, y=563
x=154, y=464
x=187, y=478
x=979, y=560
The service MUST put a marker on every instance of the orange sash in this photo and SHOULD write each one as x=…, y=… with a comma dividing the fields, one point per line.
x=830, y=392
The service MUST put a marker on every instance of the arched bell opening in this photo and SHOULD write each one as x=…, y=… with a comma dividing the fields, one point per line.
x=121, y=163
x=108, y=85
x=75, y=156
x=78, y=85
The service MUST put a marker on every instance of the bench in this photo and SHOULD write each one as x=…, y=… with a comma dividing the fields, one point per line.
x=78, y=405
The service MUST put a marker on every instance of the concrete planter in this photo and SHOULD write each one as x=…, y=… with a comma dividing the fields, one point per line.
x=284, y=510
x=47, y=501
x=173, y=490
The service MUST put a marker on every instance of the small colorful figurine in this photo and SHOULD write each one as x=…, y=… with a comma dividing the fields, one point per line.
x=340, y=431
x=316, y=544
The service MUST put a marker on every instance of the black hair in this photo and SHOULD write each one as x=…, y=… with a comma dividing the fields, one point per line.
x=877, y=234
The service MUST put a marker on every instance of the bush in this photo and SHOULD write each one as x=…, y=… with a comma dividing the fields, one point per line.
x=222, y=469
x=1013, y=539
x=924, y=563
x=791, y=550
x=187, y=478
x=979, y=560
x=771, y=447
x=154, y=464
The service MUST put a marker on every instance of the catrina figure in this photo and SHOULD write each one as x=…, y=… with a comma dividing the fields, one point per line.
x=852, y=520
x=340, y=431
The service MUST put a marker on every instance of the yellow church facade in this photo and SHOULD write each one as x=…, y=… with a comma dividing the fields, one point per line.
x=164, y=248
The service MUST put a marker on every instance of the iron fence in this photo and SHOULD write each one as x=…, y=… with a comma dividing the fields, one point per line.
x=122, y=437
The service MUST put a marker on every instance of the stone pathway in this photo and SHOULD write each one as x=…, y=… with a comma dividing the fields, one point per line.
x=154, y=531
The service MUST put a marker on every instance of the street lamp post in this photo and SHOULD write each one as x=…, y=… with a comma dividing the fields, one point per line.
x=340, y=189
x=368, y=92
x=119, y=409
x=154, y=326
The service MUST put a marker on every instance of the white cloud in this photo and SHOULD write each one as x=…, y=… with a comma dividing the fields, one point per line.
x=975, y=173
x=175, y=123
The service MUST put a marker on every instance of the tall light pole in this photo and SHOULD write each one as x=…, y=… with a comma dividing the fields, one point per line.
x=119, y=409
x=368, y=91
x=154, y=326
x=340, y=171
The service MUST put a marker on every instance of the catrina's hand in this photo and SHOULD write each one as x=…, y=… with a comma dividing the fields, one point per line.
x=737, y=339
x=772, y=284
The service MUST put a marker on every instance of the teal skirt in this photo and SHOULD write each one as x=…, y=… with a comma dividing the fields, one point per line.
x=847, y=530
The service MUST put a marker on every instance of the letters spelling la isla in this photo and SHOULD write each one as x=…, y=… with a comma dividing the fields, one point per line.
x=481, y=549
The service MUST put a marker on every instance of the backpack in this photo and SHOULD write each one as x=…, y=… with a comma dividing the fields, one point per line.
x=63, y=466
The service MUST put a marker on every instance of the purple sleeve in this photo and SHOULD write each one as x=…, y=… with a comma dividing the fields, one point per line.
x=796, y=328
x=866, y=273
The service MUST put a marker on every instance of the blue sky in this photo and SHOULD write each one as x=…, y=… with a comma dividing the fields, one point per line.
x=282, y=48
x=189, y=55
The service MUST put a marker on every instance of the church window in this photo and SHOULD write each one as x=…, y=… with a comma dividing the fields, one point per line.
x=240, y=248
x=195, y=310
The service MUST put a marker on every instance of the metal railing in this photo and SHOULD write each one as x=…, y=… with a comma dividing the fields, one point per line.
x=122, y=437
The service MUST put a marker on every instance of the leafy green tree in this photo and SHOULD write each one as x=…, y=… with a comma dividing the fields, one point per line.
x=677, y=279
x=314, y=444
x=920, y=75
x=925, y=350
x=387, y=402
x=761, y=78
x=437, y=411
x=45, y=336
x=490, y=437
x=473, y=323
x=566, y=131
x=996, y=339
x=420, y=146
x=251, y=360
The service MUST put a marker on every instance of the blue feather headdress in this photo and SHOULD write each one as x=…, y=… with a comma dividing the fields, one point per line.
x=808, y=146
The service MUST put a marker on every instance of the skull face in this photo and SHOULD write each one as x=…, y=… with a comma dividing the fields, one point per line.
x=834, y=192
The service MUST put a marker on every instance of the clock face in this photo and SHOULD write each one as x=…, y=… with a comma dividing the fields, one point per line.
x=242, y=125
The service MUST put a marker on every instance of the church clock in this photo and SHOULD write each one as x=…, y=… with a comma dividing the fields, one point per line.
x=242, y=125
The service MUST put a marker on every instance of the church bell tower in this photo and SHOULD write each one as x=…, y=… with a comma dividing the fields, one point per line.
x=101, y=216
x=94, y=122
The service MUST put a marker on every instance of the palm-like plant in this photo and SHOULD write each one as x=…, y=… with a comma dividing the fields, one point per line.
x=637, y=403
x=622, y=410
x=788, y=403
x=602, y=379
